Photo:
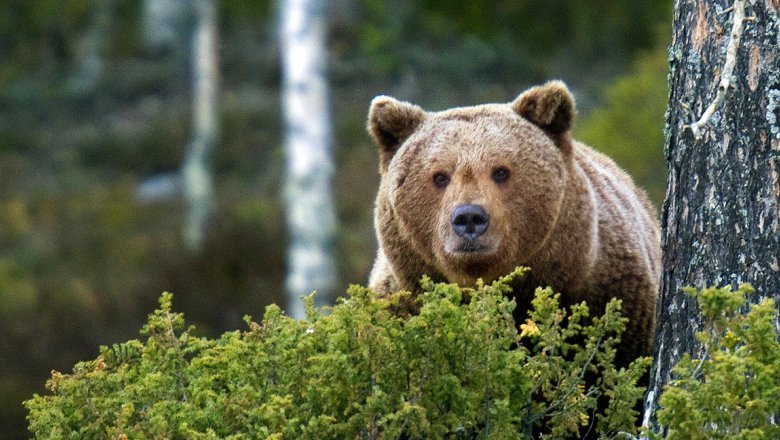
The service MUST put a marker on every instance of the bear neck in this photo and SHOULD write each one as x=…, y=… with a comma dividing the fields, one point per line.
x=566, y=258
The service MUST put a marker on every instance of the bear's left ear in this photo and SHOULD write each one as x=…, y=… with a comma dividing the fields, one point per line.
x=390, y=123
x=549, y=106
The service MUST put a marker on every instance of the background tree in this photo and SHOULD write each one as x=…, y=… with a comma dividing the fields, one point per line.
x=311, y=217
x=164, y=26
x=721, y=216
x=90, y=50
x=196, y=171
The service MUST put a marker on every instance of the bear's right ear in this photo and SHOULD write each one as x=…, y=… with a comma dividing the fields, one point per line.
x=550, y=106
x=390, y=123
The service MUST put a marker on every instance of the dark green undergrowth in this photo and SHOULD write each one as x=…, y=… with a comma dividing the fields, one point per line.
x=458, y=368
x=731, y=391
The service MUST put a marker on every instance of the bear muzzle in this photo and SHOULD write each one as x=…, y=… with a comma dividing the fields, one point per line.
x=469, y=222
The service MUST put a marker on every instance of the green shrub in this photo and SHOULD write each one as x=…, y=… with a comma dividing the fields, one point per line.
x=457, y=368
x=732, y=391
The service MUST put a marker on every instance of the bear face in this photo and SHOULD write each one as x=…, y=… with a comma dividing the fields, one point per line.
x=473, y=191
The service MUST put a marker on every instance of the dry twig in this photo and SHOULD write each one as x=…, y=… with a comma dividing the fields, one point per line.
x=728, y=68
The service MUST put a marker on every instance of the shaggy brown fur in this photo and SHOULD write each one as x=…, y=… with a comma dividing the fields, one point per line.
x=551, y=203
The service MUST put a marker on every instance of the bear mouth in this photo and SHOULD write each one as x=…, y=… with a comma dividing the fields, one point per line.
x=471, y=250
x=471, y=247
x=478, y=250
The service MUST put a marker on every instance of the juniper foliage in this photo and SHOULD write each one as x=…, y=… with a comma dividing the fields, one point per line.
x=732, y=389
x=363, y=369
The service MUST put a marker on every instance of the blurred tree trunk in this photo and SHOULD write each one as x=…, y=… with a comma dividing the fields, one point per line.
x=309, y=202
x=90, y=55
x=196, y=173
x=164, y=26
x=721, y=214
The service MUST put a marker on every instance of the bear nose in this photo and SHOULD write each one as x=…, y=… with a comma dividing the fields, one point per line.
x=469, y=221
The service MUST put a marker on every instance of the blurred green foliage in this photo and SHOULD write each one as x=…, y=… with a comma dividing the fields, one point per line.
x=628, y=126
x=81, y=256
x=526, y=41
x=457, y=369
x=731, y=390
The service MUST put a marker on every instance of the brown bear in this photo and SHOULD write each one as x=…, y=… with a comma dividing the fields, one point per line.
x=473, y=192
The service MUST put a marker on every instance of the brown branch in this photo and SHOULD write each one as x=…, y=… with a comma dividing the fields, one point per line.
x=728, y=68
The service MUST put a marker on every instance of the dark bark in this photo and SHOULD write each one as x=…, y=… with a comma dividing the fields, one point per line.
x=720, y=218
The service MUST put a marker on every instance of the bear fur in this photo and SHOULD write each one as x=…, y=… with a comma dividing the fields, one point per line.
x=473, y=192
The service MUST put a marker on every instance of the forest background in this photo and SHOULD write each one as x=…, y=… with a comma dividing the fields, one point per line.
x=95, y=109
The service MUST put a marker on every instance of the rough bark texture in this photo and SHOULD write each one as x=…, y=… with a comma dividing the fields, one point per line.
x=720, y=219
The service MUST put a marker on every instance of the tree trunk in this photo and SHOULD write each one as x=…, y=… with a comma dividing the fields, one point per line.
x=721, y=214
x=196, y=172
x=309, y=203
x=164, y=26
x=90, y=56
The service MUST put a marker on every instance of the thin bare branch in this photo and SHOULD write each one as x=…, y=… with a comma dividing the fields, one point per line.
x=728, y=68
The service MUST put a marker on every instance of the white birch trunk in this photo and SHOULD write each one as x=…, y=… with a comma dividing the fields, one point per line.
x=309, y=205
x=196, y=173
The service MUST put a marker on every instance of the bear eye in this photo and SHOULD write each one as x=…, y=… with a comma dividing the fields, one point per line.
x=441, y=180
x=500, y=175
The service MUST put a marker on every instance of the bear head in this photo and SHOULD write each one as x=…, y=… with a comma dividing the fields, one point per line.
x=471, y=192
